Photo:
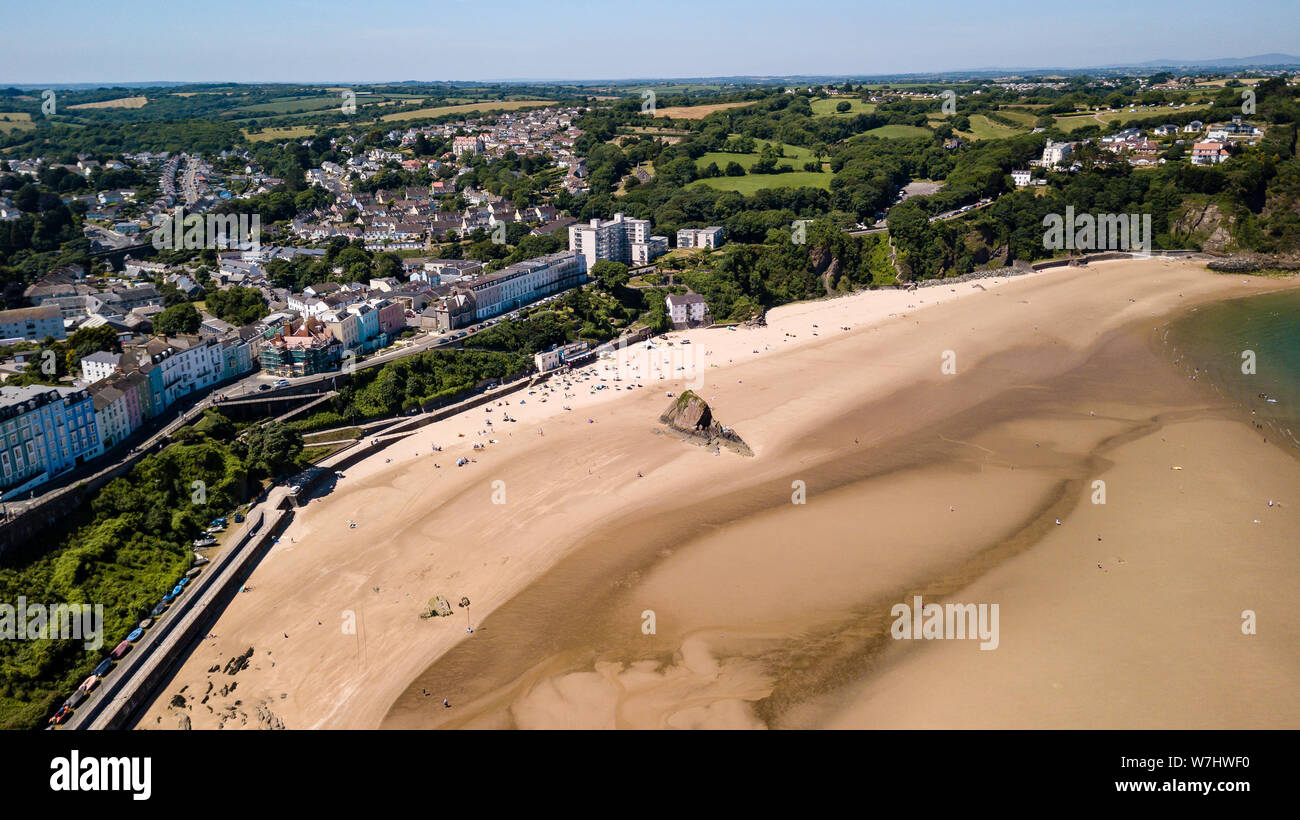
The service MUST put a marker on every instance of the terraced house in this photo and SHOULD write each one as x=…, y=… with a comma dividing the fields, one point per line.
x=524, y=282
x=45, y=431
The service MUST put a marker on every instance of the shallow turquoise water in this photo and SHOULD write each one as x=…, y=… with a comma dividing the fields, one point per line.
x=1210, y=344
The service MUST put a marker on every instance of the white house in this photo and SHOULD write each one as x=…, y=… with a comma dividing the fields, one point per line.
x=687, y=310
x=99, y=365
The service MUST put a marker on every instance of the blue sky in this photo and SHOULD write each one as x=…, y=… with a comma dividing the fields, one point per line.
x=376, y=40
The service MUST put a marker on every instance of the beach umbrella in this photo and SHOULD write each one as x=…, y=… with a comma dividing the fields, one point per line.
x=464, y=602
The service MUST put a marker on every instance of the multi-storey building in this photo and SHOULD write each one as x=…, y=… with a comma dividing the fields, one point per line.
x=618, y=240
x=187, y=363
x=303, y=350
x=1208, y=153
x=99, y=365
x=112, y=418
x=710, y=237
x=32, y=324
x=687, y=310
x=44, y=431
x=391, y=317
x=524, y=282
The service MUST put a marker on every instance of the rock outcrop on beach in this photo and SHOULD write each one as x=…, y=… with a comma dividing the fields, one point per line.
x=690, y=416
x=1251, y=262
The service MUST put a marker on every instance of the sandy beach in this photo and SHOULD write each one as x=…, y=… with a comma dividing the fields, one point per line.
x=936, y=438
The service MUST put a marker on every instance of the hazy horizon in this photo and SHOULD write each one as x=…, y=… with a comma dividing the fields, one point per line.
x=390, y=41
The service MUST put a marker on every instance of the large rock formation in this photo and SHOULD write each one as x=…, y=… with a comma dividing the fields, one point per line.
x=690, y=416
x=1204, y=223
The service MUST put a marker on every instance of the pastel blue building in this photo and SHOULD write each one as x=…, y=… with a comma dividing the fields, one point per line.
x=44, y=431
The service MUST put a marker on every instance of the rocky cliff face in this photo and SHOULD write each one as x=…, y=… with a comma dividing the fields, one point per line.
x=690, y=416
x=1206, y=224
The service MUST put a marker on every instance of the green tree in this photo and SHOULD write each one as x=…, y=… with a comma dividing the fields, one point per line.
x=273, y=449
x=182, y=318
x=610, y=275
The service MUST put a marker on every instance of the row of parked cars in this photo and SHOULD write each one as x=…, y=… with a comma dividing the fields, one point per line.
x=120, y=651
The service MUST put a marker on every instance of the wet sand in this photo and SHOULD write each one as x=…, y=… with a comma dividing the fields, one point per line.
x=771, y=613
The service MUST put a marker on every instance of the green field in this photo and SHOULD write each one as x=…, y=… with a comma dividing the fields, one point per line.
x=750, y=183
x=15, y=121
x=467, y=108
x=898, y=132
x=826, y=107
x=983, y=128
x=268, y=134
x=794, y=156
x=1020, y=115
x=1069, y=122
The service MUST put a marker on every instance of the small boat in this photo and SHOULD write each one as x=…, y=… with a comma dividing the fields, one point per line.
x=135, y=634
x=120, y=650
x=104, y=665
x=158, y=610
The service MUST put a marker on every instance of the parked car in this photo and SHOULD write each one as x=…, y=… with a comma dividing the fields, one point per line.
x=281, y=382
x=264, y=387
x=239, y=518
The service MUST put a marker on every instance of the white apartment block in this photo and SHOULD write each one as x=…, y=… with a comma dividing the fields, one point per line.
x=525, y=282
x=710, y=237
x=618, y=240
x=32, y=324
x=1054, y=152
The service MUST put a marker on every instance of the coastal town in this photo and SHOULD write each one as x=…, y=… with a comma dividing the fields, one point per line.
x=683, y=391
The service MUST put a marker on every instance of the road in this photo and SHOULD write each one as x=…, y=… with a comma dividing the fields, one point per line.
x=128, y=675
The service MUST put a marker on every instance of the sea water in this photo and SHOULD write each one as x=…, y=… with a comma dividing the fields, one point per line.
x=1248, y=350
